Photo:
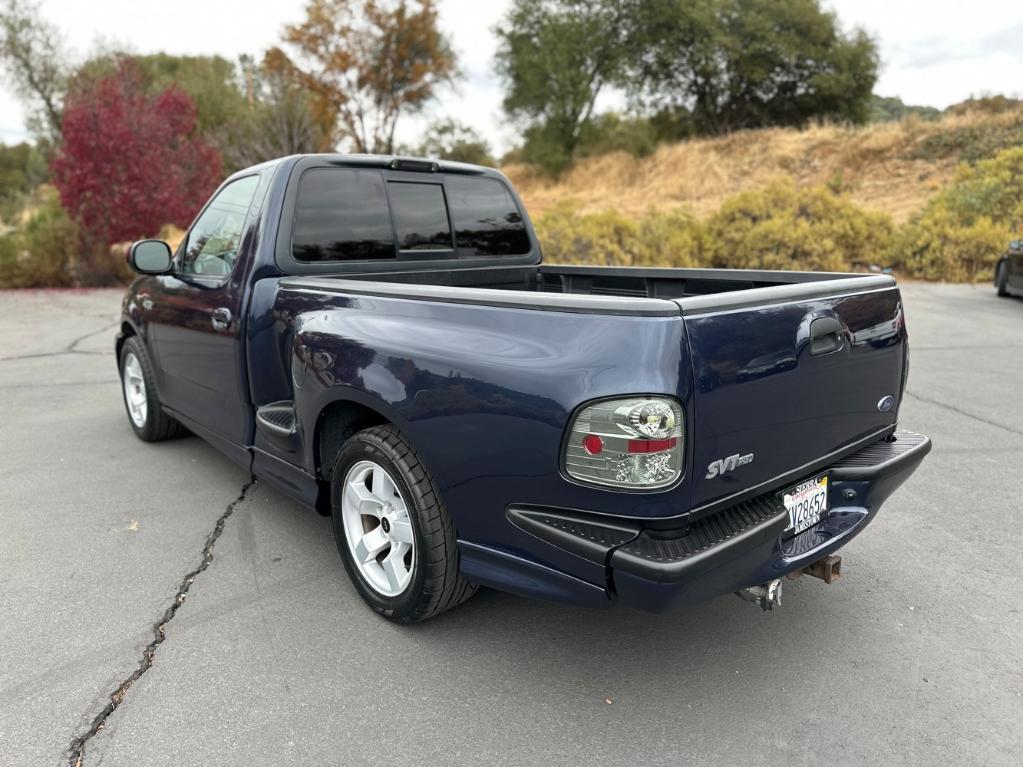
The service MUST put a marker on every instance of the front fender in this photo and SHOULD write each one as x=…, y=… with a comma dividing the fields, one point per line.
x=132, y=316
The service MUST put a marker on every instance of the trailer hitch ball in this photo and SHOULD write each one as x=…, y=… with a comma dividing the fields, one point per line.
x=767, y=595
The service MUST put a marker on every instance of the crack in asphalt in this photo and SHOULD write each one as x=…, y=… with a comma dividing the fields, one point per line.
x=975, y=417
x=71, y=348
x=76, y=749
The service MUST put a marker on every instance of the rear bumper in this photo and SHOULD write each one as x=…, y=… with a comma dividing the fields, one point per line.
x=740, y=546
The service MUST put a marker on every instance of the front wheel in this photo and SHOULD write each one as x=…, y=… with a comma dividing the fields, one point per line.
x=1002, y=279
x=138, y=386
x=394, y=535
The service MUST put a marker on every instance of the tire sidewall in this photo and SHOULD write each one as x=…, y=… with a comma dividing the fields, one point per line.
x=364, y=447
x=1003, y=279
x=132, y=346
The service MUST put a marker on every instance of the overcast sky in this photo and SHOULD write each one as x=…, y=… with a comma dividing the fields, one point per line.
x=934, y=53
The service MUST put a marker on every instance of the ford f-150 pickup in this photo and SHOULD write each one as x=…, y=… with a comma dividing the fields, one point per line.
x=378, y=338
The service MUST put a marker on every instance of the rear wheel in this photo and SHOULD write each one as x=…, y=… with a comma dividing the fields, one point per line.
x=1002, y=279
x=391, y=528
x=138, y=386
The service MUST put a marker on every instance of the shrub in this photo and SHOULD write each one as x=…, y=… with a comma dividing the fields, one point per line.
x=611, y=239
x=607, y=238
x=972, y=141
x=937, y=247
x=672, y=239
x=785, y=227
x=779, y=227
x=44, y=251
x=964, y=229
x=47, y=251
x=610, y=132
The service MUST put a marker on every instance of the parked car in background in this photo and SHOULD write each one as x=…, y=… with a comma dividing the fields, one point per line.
x=1009, y=271
x=379, y=338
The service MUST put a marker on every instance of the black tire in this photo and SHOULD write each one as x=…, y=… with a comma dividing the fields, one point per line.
x=1002, y=279
x=157, y=426
x=435, y=585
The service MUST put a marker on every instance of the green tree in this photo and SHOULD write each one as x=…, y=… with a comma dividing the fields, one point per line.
x=451, y=140
x=250, y=111
x=368, y=62
x=32, y=53
x=279, y=116
x=885, y=109
x=739, y=64
x=555, y=57
x=22, y=169
x=212, y=82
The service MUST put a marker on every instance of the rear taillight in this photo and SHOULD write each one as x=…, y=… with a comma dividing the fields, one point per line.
x=633, y=442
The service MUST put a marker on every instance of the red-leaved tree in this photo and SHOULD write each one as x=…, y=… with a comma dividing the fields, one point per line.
x=131, y=162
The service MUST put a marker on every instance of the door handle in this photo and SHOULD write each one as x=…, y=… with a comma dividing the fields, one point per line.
x=825, y=336
x=221, y=318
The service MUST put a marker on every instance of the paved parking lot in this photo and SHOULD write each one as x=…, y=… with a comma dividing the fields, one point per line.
x=914, y=657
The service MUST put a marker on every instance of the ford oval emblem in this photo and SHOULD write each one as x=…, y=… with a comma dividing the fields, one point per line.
x=886, y=403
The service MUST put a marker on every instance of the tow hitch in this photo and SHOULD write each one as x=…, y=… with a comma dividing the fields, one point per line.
x=828, y=569
x=768, y=595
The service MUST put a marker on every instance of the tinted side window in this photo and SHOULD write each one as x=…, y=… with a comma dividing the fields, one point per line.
x=341, y=214
x=212, y=245
x=420, y=216
x=486, y=221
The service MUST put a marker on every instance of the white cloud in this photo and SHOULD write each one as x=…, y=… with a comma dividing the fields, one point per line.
x=943, y=51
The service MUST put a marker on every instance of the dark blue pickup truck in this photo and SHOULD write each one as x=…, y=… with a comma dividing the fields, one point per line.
x=378, y=338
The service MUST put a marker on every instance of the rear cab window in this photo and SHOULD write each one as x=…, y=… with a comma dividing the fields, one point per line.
x=341, y=215
x=487, y=222
x=345, y=214
x=420, y=216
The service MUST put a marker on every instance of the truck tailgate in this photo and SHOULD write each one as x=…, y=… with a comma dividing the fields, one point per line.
x=780, y=386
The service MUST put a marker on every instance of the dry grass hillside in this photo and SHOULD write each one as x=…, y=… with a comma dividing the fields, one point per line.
x=890, y=167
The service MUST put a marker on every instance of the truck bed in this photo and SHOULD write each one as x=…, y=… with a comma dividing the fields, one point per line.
x=794, y=359
x=618, y=290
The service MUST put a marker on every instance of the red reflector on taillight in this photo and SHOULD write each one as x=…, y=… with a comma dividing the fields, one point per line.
x=593, y=444
x=651, y=445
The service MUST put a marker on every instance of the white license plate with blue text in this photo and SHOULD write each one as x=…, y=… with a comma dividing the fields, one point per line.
x=806, y=503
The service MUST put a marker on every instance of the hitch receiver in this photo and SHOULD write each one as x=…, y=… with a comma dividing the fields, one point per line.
x=828, y=569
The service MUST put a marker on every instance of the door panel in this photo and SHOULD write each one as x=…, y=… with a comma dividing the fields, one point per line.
x=196, y=318
x=198, y=362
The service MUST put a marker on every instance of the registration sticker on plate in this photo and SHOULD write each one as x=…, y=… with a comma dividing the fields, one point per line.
x=806, y=503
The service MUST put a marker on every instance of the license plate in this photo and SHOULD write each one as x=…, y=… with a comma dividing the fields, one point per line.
x=806, y=503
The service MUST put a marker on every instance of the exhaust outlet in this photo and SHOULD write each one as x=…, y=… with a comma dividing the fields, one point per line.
x=767, y=595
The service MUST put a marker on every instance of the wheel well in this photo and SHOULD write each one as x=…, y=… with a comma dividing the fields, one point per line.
x=127, y=331
x=336, y=423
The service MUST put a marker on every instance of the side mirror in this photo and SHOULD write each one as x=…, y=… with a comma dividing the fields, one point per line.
x=150, y=257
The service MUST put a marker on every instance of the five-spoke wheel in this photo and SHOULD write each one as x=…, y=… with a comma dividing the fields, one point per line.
x=145, y=414
x=396, y=538
x=378, y=528
x=134, y=389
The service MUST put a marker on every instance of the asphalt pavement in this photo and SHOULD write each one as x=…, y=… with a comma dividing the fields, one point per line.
x=915, y=656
